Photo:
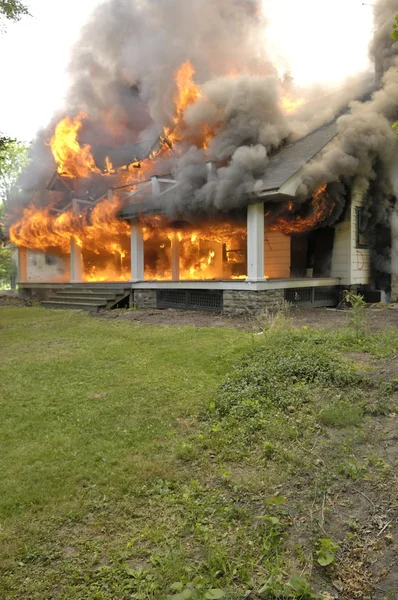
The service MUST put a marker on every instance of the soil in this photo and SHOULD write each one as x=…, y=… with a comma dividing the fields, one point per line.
x=382, y=317
x=12, y=299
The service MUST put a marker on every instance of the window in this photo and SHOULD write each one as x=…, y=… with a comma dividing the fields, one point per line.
x=361, y=221
x=50, y=260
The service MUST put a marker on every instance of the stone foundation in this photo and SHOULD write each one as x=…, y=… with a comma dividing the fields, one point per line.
x=145, y=298
x=39, y=293
x=238, y=302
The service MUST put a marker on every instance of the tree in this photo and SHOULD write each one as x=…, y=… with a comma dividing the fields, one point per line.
x=13, y=159
x=13, y=10
x=8, y=268
x=394, y=34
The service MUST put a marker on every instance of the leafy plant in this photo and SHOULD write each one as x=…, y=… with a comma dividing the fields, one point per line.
x=357, y=321
x=326, y=552
x=295, y=588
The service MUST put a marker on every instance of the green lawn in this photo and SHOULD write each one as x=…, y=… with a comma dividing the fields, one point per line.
x=92, y=408
x=139, y=461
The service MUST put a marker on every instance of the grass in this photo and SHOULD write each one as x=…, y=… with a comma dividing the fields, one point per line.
x=143, y=462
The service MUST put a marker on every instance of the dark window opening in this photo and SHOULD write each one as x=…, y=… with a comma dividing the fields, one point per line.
x=361, y=220
x=50, y=260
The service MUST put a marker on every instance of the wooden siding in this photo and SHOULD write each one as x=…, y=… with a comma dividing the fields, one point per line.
x=277, y=255
x=38, y=271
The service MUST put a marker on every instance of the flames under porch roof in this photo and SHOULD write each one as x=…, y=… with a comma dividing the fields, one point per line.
x=282, y=166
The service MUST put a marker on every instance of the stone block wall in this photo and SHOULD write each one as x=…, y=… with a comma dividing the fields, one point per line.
x=240, y=302
x=145, y=298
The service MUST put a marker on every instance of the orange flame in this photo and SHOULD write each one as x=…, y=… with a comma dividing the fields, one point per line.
x=290, y=104
x=322, y=207
x=212, y=252
x=188, y=92
x=73, y=160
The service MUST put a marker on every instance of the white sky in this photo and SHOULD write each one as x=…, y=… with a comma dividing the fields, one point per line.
x=317, y=40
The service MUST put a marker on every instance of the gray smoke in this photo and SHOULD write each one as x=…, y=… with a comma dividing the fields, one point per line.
x=123, y=69
x=366, y=136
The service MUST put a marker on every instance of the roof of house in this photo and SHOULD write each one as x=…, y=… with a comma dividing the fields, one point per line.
x=280, y=168
x=287, y=161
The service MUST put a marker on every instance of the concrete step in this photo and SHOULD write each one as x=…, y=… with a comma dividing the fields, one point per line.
x=87, y=297
x=108, y=290
x=87, y=294
x=82, y=298
x=73, y=305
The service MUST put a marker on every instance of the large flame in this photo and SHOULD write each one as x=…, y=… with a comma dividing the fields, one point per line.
x=73, y=160
x=188, y=92
x=320, y=210
x=211, y=252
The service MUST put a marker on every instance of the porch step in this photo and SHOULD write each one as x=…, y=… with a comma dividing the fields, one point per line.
x=91, y=306
x=89, y=298
x=80, y=297
x=85, y=294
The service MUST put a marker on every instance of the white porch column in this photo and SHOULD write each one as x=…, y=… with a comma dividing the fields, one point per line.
x=22, y=265
x=255, y=241
x=76, y=263
x=76, y=258
x=137, y=252
x=175, y=257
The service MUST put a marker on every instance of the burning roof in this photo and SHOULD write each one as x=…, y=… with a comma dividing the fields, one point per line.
x=213, y=95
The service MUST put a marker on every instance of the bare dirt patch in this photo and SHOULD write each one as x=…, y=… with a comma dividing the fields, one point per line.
x=12, y=299
x=378, y=319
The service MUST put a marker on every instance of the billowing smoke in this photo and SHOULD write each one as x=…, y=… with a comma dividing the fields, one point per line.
x=123, y=71
x=366, y=137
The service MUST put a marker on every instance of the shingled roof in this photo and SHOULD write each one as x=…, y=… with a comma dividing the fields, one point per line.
x=281, y=167
x=288, y=161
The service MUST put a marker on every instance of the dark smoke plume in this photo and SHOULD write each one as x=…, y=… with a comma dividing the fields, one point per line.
x=123, y=70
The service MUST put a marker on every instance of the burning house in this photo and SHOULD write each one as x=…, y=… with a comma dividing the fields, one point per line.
x=192, y=175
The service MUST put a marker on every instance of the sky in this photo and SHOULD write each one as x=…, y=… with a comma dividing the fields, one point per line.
x=316, y=40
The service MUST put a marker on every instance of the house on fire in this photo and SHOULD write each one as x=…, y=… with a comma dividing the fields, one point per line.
x=240, y=265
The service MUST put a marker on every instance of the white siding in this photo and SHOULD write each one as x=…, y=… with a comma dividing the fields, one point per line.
x=341, y=255
x=360, y=257
x=350, y=263
x=38, y=271
x=277, y=255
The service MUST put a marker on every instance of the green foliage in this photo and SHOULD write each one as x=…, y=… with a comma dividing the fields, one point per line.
x=195, y=592
x=358, y=315
x=12, y=10
x=394, y=35
x=7, y=265
x=281, y=374
x=13, y=159
x=326, y=553
x=295, y=588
